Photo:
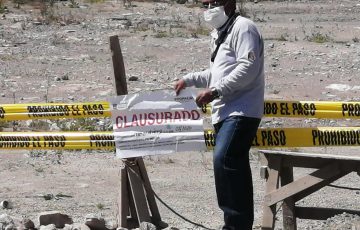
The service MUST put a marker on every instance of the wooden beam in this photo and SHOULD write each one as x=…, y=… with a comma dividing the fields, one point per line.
x=136, y=178
x=149, y=192
x=118, y=66
x=320, y=185
x=272, y=183
x=121, y=89
x=138, y=194
x=309, y=155
x=303, y=183
x=123, y=199
x=288, y=206
x=313, y=213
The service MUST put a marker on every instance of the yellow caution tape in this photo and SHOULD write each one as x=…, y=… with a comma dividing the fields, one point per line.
x=300, y=137
x=312, y=109
x=57, y=140
x=265, y=138
x=9, y=112
x=272, y=108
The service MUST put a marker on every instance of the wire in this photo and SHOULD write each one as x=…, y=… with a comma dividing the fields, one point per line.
x=343, y=187
x=132, y=163
x=179, y=215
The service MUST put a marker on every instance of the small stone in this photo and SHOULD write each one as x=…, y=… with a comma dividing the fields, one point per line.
x=57, y=78
x=95, y=223
x=48, y=227
x=10, y=227
x=68, y=227
x=133, y=78
x=3, y=95
x=5, y=219
x=78, y=226
x=147, y=226
x=276, y=91
x=65, y=77
x=28, y=224
x=110, y=224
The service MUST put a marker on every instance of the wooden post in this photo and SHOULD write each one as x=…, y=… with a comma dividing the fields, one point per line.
x=136, y=195
x=272, y=183
x=118, y=65
x=288, y=206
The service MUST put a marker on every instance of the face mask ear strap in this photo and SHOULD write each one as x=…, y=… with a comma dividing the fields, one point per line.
x=223, y=35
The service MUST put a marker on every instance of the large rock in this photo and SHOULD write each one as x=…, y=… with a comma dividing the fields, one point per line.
x=54, y=217
x=27, y=223
x=6, y=220
x=11, y=227
x=12, y=223
x=76, y=226
x=48, y=227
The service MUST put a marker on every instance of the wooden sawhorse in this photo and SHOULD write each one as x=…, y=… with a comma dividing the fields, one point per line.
x=280, y=168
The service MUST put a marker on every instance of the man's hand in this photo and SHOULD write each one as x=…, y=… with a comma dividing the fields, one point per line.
x=204, y=97
x=179, y=85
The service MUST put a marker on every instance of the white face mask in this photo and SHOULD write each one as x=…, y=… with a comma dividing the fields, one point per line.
x=216, y=17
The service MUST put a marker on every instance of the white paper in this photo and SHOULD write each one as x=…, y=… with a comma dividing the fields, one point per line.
x=157, y=122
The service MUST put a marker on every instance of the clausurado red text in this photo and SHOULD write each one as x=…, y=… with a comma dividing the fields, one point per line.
x=155, y=118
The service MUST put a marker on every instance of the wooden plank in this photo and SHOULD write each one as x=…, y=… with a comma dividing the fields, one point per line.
x=118, y=66
x=304, y=162
x=310, y=155
x=272, y=183
x=320, y=185
x=288, y=206
x=313, y=162
x=303, y=183
x=138, y=194
x=313, y=213
x=121, y=89
x=149, y=192
x=132, y=208
x=123, y=199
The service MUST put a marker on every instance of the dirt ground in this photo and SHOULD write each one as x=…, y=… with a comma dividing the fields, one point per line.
x=61, y=54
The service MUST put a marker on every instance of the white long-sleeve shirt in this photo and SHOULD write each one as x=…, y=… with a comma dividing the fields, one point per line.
x=237, y=73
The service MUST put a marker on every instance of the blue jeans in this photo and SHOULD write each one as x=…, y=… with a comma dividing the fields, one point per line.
x=233, y=180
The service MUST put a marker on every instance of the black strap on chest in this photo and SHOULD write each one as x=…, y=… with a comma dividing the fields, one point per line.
x=223, y=32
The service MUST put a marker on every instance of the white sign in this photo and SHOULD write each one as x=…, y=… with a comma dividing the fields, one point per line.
x=157, y=122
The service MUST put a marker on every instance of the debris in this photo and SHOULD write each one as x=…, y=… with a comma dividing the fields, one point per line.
x=4, y=204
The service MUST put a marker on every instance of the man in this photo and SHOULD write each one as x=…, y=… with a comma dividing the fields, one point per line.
x=234, y=84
